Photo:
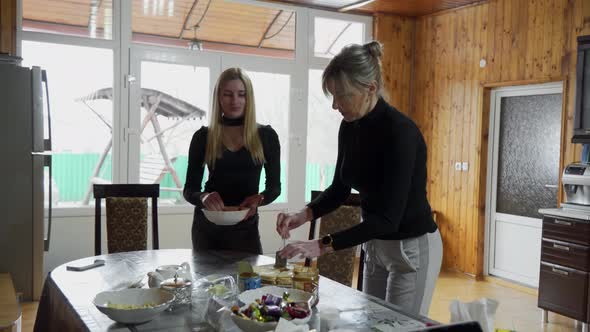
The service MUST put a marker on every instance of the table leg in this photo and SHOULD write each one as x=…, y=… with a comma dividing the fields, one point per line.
x=584, y=327
x=545, y=316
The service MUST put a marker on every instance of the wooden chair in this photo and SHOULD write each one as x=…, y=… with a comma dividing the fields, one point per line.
x=126, y=216
x=339, y=265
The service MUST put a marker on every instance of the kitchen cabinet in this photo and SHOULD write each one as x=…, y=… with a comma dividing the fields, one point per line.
x=565, y=268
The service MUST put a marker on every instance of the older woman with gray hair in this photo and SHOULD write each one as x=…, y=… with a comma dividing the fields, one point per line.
x=381, y=154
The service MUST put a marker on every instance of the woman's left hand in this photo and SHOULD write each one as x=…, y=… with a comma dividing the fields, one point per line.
x=252, y=202
x=305, y=249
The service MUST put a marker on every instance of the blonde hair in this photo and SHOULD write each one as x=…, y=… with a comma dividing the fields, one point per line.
x=252, y=141
x=355, y=67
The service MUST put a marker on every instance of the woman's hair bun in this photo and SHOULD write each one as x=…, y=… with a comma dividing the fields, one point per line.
x=374, y=48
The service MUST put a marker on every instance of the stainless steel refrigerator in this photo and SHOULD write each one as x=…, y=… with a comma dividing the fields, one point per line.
x=25, y=131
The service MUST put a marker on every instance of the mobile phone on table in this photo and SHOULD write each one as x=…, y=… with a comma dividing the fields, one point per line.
x=97, y=263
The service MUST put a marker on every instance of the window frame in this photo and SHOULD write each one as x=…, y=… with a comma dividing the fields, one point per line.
x=127, y=63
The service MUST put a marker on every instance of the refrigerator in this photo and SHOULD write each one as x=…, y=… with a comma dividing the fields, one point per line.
x=25, y=211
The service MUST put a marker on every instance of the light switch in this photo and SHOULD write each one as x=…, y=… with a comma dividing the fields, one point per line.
x=465, y=166
x=457, y=166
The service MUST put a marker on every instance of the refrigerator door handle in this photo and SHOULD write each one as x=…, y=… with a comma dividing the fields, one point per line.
x=48, y=163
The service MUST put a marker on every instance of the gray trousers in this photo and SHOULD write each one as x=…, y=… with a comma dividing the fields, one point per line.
x=403, y=272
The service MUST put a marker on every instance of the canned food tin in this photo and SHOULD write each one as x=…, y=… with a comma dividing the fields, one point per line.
x=248, y=280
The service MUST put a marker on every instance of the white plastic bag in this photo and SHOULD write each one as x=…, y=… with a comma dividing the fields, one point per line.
x=482, y=311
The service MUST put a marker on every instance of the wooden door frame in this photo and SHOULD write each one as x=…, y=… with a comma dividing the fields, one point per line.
x=483, y=129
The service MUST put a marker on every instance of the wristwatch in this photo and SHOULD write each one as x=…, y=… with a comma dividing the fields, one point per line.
x=327, y=241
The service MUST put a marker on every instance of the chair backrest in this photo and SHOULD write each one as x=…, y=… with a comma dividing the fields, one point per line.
x=127, y=199
x=338, y=266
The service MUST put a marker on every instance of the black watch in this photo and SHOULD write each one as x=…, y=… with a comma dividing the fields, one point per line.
x=327, y=241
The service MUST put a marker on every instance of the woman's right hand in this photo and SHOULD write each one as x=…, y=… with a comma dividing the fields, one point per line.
x=212, y=201
x=288, y=221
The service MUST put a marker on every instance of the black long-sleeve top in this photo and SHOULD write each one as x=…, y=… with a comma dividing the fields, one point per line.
x=382, y=156
x=236, y=175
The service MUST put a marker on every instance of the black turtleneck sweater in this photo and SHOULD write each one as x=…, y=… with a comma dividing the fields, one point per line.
x=382, y=156
x=235, y=176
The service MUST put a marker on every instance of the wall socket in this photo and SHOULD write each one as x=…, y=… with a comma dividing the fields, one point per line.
x=461, y=166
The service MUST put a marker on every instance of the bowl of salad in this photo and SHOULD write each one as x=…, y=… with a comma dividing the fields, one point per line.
x=264, y=313
x=134, y=305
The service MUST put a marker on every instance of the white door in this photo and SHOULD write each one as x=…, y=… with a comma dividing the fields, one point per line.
x=523, y=172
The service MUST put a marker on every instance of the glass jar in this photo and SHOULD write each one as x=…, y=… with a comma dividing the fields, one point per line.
x=306, y=278
x=181, y=288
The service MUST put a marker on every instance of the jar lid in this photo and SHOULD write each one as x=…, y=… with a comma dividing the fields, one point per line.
x=175, y=283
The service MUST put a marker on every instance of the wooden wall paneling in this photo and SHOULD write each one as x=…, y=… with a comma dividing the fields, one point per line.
x=506, y=43
x=547, y=28
x=448, y=123
x=476, y=246
x=497, y=14
x=478, y=145
x=530, y=39
x=519, y=39
x=8, y=26
x=434, y=144
x=458, y=111
x=397, y=34
x=463, y=202
x=539, y=33
x=523, y=42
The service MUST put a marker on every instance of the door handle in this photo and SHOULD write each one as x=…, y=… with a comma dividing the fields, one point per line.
x=551, y=186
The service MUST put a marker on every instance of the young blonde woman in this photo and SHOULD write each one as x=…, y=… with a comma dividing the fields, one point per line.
x=234, y=148
x=382, y=154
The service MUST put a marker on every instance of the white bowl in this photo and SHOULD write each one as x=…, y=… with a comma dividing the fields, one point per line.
x=249, y=325
x=225, y=218
x=295, y=295
x=133, y=296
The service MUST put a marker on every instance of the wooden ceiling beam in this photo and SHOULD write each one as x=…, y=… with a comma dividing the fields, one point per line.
x=269, y=26
x=188, y=15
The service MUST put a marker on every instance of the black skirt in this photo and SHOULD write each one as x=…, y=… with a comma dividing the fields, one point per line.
x=243, y=237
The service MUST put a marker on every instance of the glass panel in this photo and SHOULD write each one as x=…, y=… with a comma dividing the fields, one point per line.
x=322, y=137
x=273, y=109
x=528, y=157
x=586, y=91
x=91, y=18
x=80, y=80
x=332, y=35
x=178, y=97
x=215, y=25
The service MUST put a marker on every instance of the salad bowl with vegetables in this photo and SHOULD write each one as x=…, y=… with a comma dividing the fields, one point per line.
x=134, y=305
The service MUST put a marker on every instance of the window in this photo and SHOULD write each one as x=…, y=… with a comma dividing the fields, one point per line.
x=331, y=35
x=174, y=104
x=143, y=92
x=92, y=19
x=273, y=109
x=322, y=137
x=80, y=81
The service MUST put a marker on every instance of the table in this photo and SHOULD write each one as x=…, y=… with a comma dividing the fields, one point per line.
x=66, y=301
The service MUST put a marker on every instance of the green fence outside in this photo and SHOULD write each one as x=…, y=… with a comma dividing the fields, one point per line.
x=72, y=173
